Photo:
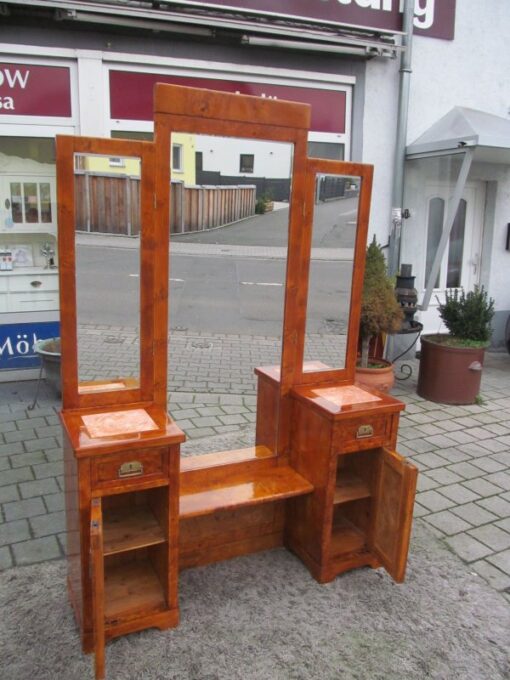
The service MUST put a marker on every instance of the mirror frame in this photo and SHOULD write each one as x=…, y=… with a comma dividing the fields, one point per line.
x=184, y=109
x=314, y=167
x=150, y=304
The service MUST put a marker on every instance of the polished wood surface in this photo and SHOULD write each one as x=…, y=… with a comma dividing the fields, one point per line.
x=208, y=461
x=340, y=408
x=249, y=489
x=132, y=588
x=72, y=397
x=130, y=529
x=323, y=477
x=85, y=445
x=391, y=530
x=97, y=563
x=349, y=487
x=302, y=374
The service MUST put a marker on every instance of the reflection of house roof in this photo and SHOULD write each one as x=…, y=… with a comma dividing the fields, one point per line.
x=463, y=127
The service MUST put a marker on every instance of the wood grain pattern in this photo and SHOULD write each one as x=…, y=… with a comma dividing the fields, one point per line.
x=316, y=481
x=129, y=529
x=346, y=539
x=349, y=487
x=391, y=530
x=98, y=586
x=233, y=108
x=131, y=589
x=252, y=489
x=66, y=148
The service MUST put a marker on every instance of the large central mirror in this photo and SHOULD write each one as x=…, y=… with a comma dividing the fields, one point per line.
x=229, y=227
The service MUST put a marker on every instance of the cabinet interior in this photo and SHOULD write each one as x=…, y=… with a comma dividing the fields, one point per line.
x=353, y=501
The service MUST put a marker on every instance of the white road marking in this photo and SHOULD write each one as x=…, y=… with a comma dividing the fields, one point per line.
x=137, y=276
x=256, y=283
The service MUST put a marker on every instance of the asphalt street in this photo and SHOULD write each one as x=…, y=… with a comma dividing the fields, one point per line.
x=235, y=294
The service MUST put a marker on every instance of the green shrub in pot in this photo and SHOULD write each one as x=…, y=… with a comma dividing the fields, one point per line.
x=467, y=316
x=380, y=309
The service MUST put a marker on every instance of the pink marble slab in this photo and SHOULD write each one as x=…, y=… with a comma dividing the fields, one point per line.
x=345, y=396
x=118, y=422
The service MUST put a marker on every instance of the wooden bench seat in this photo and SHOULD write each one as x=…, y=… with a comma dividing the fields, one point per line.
x=241, y=489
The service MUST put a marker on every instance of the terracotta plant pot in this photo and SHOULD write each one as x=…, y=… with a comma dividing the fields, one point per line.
x=381, y=379
x=449, y=375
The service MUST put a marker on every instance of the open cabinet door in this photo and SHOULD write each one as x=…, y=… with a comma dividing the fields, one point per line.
x=97, y=572
x=393, y=512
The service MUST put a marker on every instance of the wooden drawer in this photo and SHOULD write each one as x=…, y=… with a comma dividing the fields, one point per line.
x=361, y=433
x=129, y=468
x=30, y=283
x=31, y=302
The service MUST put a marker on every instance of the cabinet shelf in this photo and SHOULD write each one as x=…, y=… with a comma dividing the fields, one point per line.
x=346, y=538
x=131, y=589
x=129, y=529
x=350, y=487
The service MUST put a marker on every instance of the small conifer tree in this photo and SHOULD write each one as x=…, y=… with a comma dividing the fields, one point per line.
x=380, y=310
x=468, y=316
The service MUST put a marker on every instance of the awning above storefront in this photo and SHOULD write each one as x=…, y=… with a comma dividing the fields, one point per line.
x=486, y=134
x=241, y=25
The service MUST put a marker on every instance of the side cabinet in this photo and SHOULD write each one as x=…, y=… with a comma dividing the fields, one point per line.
x=360, y=512
x=122, y=502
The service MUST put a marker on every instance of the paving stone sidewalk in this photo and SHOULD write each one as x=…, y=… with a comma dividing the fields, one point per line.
x=463, y=453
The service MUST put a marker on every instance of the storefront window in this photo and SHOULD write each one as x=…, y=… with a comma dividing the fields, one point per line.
x=45, y=193
x=330, y=150
x=435, y=228
x=456, y=248
x=16, y=203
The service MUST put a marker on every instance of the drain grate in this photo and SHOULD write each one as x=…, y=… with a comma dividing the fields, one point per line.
x=200, y=344
x=113, y=340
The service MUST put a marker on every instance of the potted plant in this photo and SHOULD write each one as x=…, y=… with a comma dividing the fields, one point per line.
x=451, y=363
x=264, y=204
x=380, y=313
x=49, y=351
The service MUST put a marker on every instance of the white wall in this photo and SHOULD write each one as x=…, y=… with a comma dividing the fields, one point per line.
x=471, y=71
x=221, y=154
x=379, y=128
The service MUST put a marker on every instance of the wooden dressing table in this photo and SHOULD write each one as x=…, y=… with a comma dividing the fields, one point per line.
x=323, y=477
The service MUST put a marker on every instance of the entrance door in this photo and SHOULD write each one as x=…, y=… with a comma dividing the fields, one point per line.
x=460, y=265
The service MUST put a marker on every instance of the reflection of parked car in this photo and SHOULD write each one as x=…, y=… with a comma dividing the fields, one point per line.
x=507, y=334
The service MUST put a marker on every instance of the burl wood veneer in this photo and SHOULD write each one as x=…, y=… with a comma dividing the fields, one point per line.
x=323, y=478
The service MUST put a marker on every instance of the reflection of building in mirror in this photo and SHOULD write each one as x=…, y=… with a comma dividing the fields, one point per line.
x=331, y=187
x=266, y=164
x=331, y=269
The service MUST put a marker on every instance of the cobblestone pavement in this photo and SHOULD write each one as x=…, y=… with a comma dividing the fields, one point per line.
x=463, y=452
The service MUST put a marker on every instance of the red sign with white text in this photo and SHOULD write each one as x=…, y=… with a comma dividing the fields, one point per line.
x=33, y=90
x=433, y=18
x=131, y=97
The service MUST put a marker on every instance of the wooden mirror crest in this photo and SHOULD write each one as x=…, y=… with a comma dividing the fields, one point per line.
x=323, y=477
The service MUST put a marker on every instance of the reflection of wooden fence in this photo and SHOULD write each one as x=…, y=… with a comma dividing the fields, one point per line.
x=110, y=204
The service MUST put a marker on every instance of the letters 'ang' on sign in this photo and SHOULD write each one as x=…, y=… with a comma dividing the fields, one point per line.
x=433, y=18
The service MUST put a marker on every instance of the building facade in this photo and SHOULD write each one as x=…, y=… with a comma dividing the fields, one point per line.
x=89, y=68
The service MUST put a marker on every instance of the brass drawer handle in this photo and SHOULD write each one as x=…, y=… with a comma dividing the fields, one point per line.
x=364, y=431
x=131, y=469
